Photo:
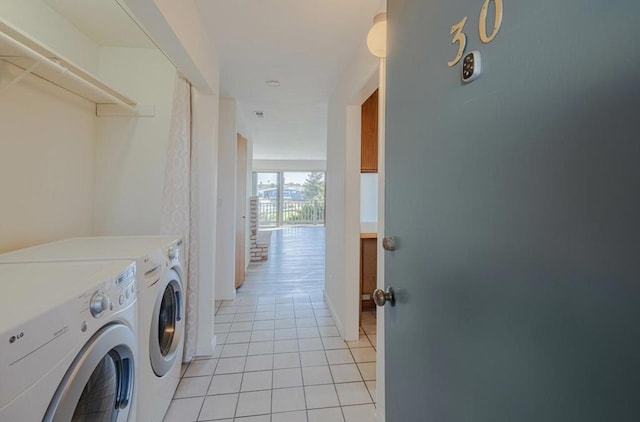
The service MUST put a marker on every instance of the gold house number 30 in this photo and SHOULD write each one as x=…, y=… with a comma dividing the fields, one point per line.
x=461, y=38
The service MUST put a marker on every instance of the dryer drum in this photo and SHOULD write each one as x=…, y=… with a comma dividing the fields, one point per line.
x=98, y=386
x=106, y=391
x=167, y=323
x=167, y=319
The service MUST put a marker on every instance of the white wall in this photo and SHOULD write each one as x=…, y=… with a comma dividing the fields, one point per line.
x=351, y=320
x=184, y=18
x=226, y=232
x=289, y=165
x=47, y=141
x=369, y=198
x=205, y=136
x=343, y=190
x=131, y=151
x=37, y=19
x=47, y=138
x=177, y=29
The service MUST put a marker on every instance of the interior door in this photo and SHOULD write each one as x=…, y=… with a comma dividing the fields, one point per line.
x=514, y=202
x=241, y=210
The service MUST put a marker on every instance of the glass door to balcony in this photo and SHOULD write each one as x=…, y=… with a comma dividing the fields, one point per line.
x=290, y=198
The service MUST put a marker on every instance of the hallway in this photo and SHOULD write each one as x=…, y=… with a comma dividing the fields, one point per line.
x=279, y=356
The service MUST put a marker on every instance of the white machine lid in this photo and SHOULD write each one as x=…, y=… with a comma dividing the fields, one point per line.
x=28, y=290
x=90, y=248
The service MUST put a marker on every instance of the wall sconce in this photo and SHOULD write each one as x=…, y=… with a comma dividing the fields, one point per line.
x=377, y=37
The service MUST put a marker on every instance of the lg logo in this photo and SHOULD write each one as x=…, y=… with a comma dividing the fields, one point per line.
x=16, y=337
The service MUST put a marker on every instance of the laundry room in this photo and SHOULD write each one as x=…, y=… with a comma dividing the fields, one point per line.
x=97, y=129
x=66, y=171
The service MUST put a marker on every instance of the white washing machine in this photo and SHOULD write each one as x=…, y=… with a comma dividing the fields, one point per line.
x=159, y=261
x=68, y=349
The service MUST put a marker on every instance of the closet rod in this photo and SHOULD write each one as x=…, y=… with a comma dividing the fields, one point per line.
x=47, y=62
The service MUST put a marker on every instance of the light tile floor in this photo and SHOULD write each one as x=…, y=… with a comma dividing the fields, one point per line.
x=280, y=359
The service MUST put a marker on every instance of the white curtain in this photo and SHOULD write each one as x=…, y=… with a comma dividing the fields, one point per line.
x=179, y=213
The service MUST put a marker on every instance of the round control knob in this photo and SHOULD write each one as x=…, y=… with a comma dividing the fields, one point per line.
x=172, y=253
x=98, y=304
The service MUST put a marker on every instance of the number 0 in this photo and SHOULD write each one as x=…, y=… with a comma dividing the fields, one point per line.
x=482, y=25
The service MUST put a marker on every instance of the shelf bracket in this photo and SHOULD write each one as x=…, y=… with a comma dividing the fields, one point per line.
x=20, y=77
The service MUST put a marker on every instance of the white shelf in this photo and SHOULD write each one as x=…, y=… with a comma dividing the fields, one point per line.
x=34, y=57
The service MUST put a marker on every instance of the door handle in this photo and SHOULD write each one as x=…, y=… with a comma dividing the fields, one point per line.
x=389, y=243
x=380, y=297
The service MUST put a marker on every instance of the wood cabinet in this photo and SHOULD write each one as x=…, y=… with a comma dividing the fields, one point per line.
x=369, y=135
x=368, y=271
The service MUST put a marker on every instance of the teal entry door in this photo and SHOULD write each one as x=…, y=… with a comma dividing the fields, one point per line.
x=515, y=203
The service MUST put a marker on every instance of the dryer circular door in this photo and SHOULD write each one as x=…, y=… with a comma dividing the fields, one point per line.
x=166, y=324
x=99, y=384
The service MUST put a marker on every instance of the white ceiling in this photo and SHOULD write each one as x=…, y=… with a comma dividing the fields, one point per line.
x=287, y=132
x=301, y=43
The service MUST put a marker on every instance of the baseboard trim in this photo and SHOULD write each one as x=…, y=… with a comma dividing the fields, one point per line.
x=207, y=349
x=334, y=314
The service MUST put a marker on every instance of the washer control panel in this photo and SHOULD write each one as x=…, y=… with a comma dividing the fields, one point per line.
x=115, y=295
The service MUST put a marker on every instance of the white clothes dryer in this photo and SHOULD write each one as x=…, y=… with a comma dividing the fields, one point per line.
x=161, y=293
x=68, y=349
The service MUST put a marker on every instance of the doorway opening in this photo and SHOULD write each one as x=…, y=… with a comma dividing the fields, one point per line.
x=287, y=234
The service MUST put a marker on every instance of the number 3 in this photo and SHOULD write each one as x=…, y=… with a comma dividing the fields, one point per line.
x=460, y=38
x=482, y=24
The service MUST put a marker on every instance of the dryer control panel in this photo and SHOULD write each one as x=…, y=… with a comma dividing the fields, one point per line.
x=123, y=291
x=115, y=294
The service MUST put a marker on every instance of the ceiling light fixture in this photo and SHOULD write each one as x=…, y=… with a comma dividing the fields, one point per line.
x=377, y=37
x=273, y=83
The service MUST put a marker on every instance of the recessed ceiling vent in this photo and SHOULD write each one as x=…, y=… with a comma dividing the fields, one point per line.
x=260, y=114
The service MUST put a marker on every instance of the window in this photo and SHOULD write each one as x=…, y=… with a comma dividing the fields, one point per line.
x=290, y=198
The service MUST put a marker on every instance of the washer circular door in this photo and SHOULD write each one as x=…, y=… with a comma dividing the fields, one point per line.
x=166, y=324
x=99, y=384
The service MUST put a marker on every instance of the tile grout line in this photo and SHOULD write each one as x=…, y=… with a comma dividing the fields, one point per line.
x=300, y=313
